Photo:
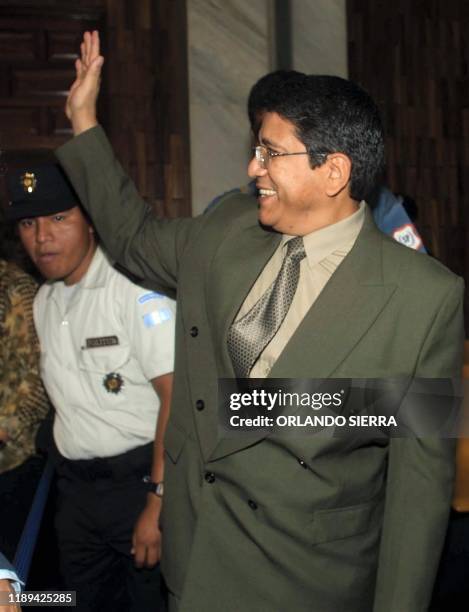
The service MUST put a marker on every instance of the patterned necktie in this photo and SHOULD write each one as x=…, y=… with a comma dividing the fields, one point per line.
x=249, y=335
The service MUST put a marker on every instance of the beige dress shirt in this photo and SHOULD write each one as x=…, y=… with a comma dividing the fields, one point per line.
x=325, y=250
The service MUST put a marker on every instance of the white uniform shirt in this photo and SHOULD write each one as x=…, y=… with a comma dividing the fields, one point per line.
x=99, y=350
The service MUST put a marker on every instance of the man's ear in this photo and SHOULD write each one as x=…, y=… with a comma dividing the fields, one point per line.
x=339, y=169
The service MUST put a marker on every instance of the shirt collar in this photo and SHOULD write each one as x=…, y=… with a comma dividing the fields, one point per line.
x=341, y=235
x=95, y=276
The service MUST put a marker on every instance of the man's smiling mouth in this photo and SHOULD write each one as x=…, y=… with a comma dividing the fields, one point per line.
x=266, y=192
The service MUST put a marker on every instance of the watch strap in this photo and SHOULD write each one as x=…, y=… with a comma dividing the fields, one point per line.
x=157, y=488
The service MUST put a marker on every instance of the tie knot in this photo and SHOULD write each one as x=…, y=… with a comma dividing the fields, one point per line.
x=296, y=248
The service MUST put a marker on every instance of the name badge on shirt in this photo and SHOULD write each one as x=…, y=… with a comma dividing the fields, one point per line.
x=102, y=341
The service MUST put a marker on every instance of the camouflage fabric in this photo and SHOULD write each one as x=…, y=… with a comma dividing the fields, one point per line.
x=23, y=401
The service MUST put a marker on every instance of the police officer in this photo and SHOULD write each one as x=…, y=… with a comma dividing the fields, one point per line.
x=106, y=347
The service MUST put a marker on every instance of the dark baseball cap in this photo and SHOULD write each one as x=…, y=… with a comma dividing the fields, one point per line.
x=38, y=191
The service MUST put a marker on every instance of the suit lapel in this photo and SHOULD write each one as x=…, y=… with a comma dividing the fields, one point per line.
x=347, y=307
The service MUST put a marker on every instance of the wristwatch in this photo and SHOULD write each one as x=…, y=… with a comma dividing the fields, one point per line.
x=154, y=487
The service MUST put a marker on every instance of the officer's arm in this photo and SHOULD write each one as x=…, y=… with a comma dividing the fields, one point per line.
x=147, y=535
x=163, y=386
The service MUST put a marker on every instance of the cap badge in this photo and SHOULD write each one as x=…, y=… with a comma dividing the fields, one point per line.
x=113, y=382
x=29, y=182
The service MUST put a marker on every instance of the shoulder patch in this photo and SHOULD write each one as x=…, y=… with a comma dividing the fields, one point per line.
x=156, y=317
x=146, y=297
x=408, y=236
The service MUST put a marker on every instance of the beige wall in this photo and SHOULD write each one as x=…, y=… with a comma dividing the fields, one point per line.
x=228, y=52
x=319, y=36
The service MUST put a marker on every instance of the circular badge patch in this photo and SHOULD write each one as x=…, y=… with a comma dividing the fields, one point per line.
x=113, y=382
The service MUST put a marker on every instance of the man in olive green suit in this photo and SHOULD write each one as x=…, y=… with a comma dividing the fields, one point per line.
x=264, y=522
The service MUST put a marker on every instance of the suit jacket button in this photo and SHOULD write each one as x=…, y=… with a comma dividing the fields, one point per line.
x=194, y=331
x=303, y=464
x=252, y=504
x=200, y=404
x=210, y=477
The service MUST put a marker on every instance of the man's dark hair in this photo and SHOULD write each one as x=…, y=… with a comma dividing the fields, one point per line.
x=332, y=115
x=261, y=93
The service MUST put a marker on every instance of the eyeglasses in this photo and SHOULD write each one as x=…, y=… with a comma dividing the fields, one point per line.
x=263, y=154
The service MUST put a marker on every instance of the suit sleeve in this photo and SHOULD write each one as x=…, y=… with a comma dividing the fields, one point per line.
x=420, y=481
x=148, y=247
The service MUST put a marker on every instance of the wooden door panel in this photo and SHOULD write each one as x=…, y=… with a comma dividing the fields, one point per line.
x=17, y=46
x=38, y=44
x=144, y=100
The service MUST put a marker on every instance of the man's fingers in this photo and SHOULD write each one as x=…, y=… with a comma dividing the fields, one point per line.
x=91, y=40
x=78, y=68
x=145, y=555
x=83, y=49
x=94, y=71
x=89, y=79
x=87, y=63
x=94, y=49
x=87, y=44
x=140, y=555
x=152, y=556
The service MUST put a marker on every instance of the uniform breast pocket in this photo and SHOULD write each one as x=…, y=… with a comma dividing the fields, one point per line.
x=106, y=370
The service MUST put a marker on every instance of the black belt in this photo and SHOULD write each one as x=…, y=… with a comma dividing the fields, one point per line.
x=134, y=462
